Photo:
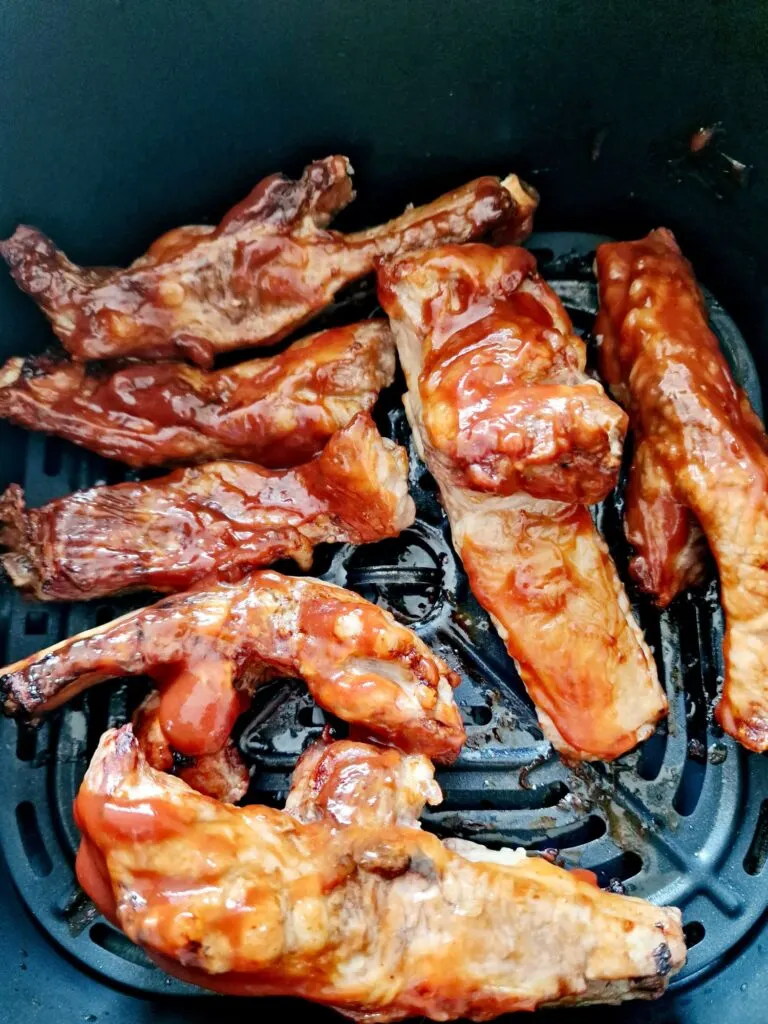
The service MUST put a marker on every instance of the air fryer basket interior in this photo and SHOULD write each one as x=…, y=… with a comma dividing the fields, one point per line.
x=122, y=120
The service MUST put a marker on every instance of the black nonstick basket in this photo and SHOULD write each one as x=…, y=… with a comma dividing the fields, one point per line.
x=121, y=119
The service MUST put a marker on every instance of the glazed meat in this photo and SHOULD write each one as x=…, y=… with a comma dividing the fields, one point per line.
x=209, y=648
x=517, y=436
x=224, y=517
x=702, y=458
x=376, y=918
x=222, y=775
x=269, y=266
x=277, y=411
x=348, y=783
x=506, y=404
x=670, y=549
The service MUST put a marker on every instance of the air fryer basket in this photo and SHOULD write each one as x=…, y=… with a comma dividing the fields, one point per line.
x=127, y=118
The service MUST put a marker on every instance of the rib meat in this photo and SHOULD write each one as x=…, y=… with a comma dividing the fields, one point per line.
x=277, y=411
x=505, y=402
x=168, y=533
x=376, y=918
x=702, y=459
x=221, y=774
x=269, y=266
x=344, y=783
x=517, y=436
x=210, y=647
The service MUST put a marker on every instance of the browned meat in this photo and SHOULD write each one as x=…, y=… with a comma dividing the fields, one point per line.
x=369, y=915
x=348, y=783
x=269, y=266
x=209, y=648
x=278, y=411
x=505, y=401
x=701, y=458
x=516, y=434
x=223, y=517
x=222, y=774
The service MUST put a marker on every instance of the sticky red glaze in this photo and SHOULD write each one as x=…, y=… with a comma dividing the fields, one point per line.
x=129, y=821
x=209, y=648
x=93, y=877
x=702, y=458
x=221, y=774
x=251, y=901
x=505, y=415
x=278, y=411
x=223, y=517
x=585, y=875
x=555, y=591
x=269, y=266
x=504, y=395
x=199, y=709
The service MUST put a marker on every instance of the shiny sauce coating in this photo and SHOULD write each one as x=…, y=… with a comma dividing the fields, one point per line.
x=505, y=399
x=278, y=411
x=702, y=458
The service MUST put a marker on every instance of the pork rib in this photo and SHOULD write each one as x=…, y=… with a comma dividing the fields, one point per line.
x=343, y=782
x=517, y=436
x=269, y=266
x=277, y=411
x=168, y=533
x=378, y=919
x=210, y=647
x=699, y=435
x=222, y=774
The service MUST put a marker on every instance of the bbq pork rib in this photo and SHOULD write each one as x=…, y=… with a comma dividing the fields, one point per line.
x=221, y=774
x=209, y=648
x=701, y=458
x=223, y=517
x=517, y=437
x=277, y=411
x=353, y=905
x=269, y=266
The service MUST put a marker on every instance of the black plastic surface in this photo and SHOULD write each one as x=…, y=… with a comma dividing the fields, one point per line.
x=682, y=820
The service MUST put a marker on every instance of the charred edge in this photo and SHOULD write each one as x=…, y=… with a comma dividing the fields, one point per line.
x=44, y=364
x=7, y=704
x=22, y=696
x=13, y=518
x=12, y=704
x=662, y=958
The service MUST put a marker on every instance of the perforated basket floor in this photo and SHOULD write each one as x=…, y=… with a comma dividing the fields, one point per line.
x=682, y=820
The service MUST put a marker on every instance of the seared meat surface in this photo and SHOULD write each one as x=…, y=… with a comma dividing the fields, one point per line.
x=701, y=460
x=267, y=268
x=278, y=411
x=517, y=437
x=223, y=517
